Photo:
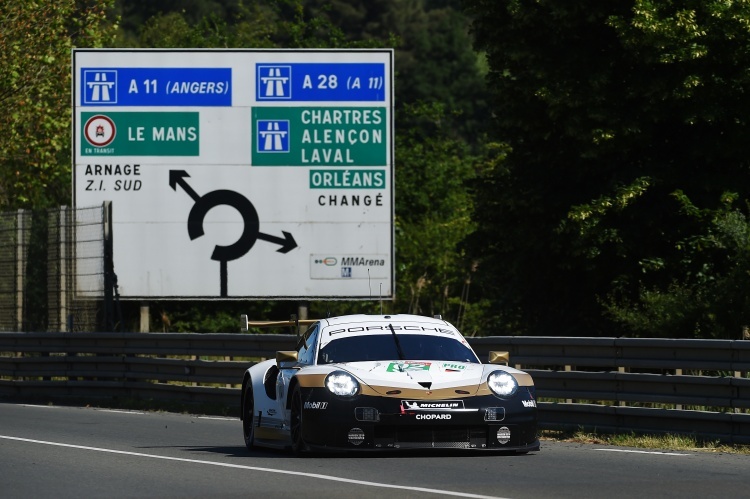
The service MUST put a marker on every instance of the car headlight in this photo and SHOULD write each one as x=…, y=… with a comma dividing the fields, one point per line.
x=342, y=384
x=502, y=384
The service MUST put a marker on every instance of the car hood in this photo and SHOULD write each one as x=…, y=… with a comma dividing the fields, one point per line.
x=416, y=374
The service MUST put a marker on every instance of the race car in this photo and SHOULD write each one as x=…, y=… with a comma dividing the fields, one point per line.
x=387, y=382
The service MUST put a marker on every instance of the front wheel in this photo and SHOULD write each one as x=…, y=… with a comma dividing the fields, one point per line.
x=295, y=422
x=248, y=429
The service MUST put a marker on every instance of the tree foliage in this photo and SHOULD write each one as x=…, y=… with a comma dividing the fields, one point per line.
x=434, y=59
x=434, y=214
x=712, y=299
x=610, y=109
x=36, y=38
x=611, y=197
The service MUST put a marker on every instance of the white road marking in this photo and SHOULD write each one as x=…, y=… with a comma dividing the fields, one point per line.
x=120, y=411
x=645, y=452
x=256, y=468
x=125, y=411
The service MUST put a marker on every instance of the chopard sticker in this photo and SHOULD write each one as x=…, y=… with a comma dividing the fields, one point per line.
x=433, y=416
x=400, y=367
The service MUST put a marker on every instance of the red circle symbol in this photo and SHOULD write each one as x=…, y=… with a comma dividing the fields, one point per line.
x=99, y=130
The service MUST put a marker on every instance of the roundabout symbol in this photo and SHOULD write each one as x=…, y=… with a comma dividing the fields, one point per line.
x=250, y=233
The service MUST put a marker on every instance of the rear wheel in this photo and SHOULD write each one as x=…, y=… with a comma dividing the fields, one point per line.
x=295, y=421
x=248, y=429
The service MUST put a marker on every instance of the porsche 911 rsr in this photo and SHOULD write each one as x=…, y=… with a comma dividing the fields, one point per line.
x=387, y=382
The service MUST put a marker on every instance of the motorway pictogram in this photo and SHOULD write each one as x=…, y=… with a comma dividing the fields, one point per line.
x=100, y=87
x=274, y=82
x=251, y=231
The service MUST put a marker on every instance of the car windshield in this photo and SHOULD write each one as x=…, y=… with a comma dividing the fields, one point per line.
x=383, y=347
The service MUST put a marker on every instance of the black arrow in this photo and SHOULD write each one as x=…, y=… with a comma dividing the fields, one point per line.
x=287, y=243
x=251, y=227
x=178, y=177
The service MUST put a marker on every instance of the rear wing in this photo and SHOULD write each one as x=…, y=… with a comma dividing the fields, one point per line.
x=245, y=324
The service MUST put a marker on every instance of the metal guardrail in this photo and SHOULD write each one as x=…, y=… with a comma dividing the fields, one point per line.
x=602, y=384
x=223, y=344
x=163, y=366
x=615, y=353
x=636, y=384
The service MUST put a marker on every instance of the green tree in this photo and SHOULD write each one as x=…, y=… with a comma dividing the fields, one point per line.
x=36, y=38
x=173, y=30
x=609, y=109
x=434, y=59
x=271, y=23
x=134, y=14
x=713, y=297
x=434, y=213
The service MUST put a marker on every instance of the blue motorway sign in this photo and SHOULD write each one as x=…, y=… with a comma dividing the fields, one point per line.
x=317, y=82
x=156, y=87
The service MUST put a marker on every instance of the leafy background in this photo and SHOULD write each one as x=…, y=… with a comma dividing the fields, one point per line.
x=562, y=168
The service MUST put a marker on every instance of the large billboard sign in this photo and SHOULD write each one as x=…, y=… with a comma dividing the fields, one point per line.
x=240, y=173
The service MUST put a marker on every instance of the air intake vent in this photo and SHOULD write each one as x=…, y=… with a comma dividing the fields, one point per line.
x=367, y=414
x=425, y=437
x=426, y=384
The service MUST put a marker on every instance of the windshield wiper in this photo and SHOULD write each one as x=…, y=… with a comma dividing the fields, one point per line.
x=401, y=355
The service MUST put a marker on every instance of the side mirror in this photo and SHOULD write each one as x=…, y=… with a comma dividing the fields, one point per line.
x=499, y=358
x=286, y=359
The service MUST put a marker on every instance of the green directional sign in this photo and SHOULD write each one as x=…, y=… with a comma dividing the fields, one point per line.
x=369, y=178
x=140, y=134
x=319, y=136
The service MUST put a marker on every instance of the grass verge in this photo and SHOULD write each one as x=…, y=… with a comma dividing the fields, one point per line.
x=669, y=441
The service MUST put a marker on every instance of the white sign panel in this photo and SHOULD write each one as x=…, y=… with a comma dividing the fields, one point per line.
x=240, y=173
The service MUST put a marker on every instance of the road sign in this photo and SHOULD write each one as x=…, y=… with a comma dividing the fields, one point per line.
x=260, y=174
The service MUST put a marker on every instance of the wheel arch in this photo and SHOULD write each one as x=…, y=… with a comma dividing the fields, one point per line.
x=293, y=383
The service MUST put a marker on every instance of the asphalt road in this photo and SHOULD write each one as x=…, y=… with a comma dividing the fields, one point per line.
x=61, y=452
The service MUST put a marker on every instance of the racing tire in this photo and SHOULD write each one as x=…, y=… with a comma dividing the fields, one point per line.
x=248, y=429
x=296, y=423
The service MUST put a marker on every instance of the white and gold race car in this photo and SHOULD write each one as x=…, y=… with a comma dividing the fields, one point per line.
x=386, y=382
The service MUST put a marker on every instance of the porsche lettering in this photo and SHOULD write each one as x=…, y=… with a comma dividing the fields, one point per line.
x=360, y=329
